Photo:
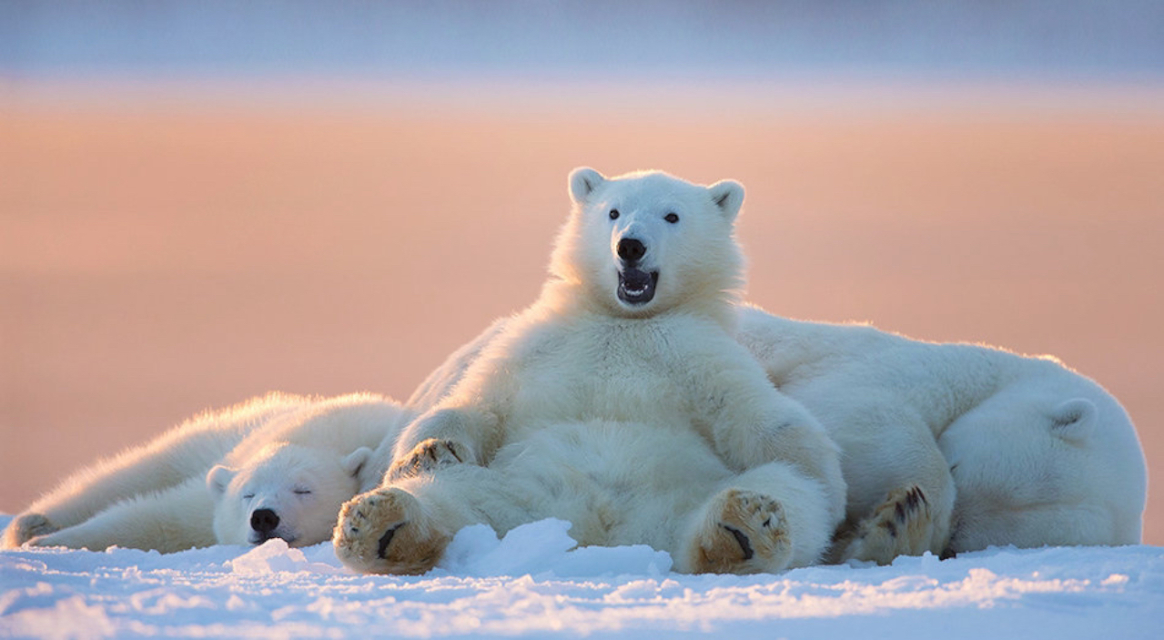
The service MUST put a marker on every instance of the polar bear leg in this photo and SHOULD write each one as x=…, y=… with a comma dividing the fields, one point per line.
x=163, y=463
x=404, y=526
x=768, y=519
x=172, y=520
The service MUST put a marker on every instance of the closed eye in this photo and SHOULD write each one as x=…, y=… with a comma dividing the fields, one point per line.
x=249, y=496
x=303, y=492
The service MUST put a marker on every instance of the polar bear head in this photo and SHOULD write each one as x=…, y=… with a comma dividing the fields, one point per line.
x=285, y=491
x=1061, y=477
x=643, y=243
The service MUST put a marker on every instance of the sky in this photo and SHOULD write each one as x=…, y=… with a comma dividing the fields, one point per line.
x=1076, y=40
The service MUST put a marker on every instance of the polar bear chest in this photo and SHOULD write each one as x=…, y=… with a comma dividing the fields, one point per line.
x=619, y=371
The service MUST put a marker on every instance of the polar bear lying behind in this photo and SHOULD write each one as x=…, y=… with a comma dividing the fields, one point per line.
x=1002, y=449
x=618, y=401
x=274, y=467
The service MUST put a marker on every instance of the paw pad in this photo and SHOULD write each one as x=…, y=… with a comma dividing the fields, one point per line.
x=749, y=535
x=386, y=531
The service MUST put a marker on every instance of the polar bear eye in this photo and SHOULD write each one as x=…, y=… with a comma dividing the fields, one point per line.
x=303, y=492
x=614, y=214
x=672, y=217
x=248, y=496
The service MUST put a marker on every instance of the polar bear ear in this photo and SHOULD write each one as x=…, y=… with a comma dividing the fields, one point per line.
x=355, y=461
x=1074, y=420
x=728, y=195
x=583, y=182
x=218, y=478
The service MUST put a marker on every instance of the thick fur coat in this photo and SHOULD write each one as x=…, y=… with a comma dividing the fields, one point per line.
x=619, y=401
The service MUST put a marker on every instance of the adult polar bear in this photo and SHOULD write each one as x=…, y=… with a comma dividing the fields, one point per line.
x=278, y=466
x=945, y=447
x=618, y=401
x=1006, y=450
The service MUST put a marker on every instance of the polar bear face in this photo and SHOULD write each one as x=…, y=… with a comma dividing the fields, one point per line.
x=287, y=491
x=643, y=243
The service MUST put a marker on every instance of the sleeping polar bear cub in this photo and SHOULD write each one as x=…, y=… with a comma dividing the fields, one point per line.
x=618, y=401
x=278, y=466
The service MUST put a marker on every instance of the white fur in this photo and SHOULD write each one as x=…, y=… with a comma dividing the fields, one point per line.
x=1040, y=454
x=302, y=468
x=1009, y=450
x=626, y=418
x=156, y=496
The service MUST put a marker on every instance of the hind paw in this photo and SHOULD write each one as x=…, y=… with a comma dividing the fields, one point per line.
x=745, y=532
x=387, y=531
x=25, y=527
x=902, y=525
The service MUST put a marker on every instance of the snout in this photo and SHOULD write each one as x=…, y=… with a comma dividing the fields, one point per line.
x=636, y=285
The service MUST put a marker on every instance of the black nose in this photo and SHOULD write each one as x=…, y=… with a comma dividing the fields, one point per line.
x=264, y=520
x=631, y=250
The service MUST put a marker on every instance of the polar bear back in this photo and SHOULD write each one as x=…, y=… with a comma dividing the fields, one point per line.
x=1039, y=453
x=341, y=424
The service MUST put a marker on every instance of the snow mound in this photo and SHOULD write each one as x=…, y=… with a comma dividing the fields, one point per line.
x=274, y=555
x=544, y=549
x=535, y=581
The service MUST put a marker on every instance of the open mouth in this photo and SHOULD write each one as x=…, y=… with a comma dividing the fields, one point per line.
x=636, y=286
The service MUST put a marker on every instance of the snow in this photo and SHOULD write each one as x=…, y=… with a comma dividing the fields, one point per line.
x=535, y=583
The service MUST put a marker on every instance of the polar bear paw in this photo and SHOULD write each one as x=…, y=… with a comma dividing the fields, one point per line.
x=25, y=527
x=428, y=456
x=902, y=525
x=387, y=531
x=745, y=532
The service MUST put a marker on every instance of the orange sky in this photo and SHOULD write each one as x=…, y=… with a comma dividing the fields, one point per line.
x=163, y=258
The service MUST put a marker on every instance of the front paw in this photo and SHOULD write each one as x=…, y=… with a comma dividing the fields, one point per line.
x=25, y=527
x=428, y=456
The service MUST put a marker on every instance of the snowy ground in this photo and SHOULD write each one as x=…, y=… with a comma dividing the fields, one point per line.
x=533, y=584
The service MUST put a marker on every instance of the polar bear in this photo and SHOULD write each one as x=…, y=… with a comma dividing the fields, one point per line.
x=276, y=466
x=955, y=447
x=618, y=401
x=945, y=447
